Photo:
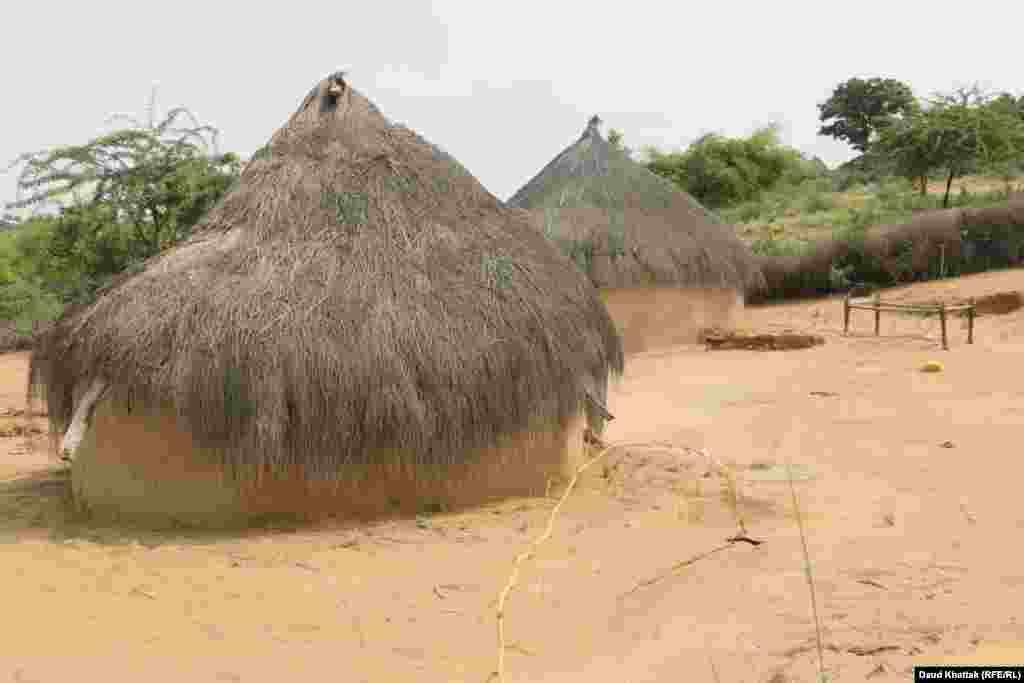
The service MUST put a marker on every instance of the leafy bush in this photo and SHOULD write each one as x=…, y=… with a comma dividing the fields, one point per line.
x=745, y=212
x=722, y=172
x=818, y=201
x=27, y=304
x=781, y=247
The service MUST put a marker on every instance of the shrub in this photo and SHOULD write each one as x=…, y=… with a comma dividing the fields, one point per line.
x=722, y=172
x=782, y=247
x=819, y=201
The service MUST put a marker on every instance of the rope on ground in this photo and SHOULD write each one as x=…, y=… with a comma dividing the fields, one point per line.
x=531, y=550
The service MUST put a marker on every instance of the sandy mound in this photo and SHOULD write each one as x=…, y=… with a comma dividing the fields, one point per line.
x=999, y=303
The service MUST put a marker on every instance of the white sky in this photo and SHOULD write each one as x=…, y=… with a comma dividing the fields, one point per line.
x=501, y=86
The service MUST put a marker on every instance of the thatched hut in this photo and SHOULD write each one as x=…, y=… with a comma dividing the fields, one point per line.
x=357, y=327
x=666, y=266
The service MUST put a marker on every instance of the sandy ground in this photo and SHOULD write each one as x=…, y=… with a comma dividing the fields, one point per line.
x=908, y=483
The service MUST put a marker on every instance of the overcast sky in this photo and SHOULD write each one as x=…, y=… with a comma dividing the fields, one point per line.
x=502, y=86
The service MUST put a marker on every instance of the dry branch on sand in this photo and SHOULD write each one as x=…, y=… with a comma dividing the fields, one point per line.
x=716, y=340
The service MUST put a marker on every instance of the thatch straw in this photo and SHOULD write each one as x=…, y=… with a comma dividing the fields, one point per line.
x=798, y=275
x=931, y=244
x=626, y=226
x=357, y=293
x=915, y=245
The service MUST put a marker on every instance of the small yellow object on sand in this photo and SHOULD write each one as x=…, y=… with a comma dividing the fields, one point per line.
x=932, y=366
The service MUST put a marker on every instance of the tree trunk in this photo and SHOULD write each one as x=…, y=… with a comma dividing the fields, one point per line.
x=924, y=185
x=154, y=241
x=949, y=184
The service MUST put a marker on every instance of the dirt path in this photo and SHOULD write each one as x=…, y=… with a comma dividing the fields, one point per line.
x=908, y=483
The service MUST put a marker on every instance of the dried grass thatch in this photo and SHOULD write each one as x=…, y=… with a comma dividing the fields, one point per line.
x=625, y=226
x=795, y=276
x=358, y=299
x=967, y=238
x=913, y=247
x=930, y=244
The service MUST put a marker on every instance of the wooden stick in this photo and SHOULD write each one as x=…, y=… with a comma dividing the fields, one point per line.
x=846, y=314
x=885, y=305
x=878, y=313
x=970, y=323
x=896, y=308
x=942, y=321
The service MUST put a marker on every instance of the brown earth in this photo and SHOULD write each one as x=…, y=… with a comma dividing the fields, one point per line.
x=908, y=485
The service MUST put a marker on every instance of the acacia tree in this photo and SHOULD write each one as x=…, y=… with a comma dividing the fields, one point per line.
x=1013, y=107
x=158, y=177
x=860, y=109
x=957, y=132
x=914, y=148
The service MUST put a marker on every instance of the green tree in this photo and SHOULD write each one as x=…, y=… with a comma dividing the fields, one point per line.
x=913, y=147
x=1009, y=104
x=158, y=177
x=860, y=109
x=1008, y=169
x=720, y=171
x=85, y=247
x=121, y=198
x=959, y=132
x=25, y=295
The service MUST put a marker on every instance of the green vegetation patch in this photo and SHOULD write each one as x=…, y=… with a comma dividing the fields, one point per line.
x=350, y=207
x=498, y=270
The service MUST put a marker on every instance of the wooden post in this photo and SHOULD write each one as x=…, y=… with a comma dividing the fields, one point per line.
x=942, y=322
x=878, y=313
x=846, y=314
x=970, y=321
x=80, y=419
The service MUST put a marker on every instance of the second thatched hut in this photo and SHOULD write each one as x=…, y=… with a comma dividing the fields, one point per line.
x=665, y=265
x=357, y=327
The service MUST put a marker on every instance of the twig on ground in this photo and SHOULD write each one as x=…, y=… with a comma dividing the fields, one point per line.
x=731, y=541
x=807, y=570
x=714, y=669
x=675, y=568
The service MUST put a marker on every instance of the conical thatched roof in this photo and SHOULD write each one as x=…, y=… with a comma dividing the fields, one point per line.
x=358, y=291
x=625, y=226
